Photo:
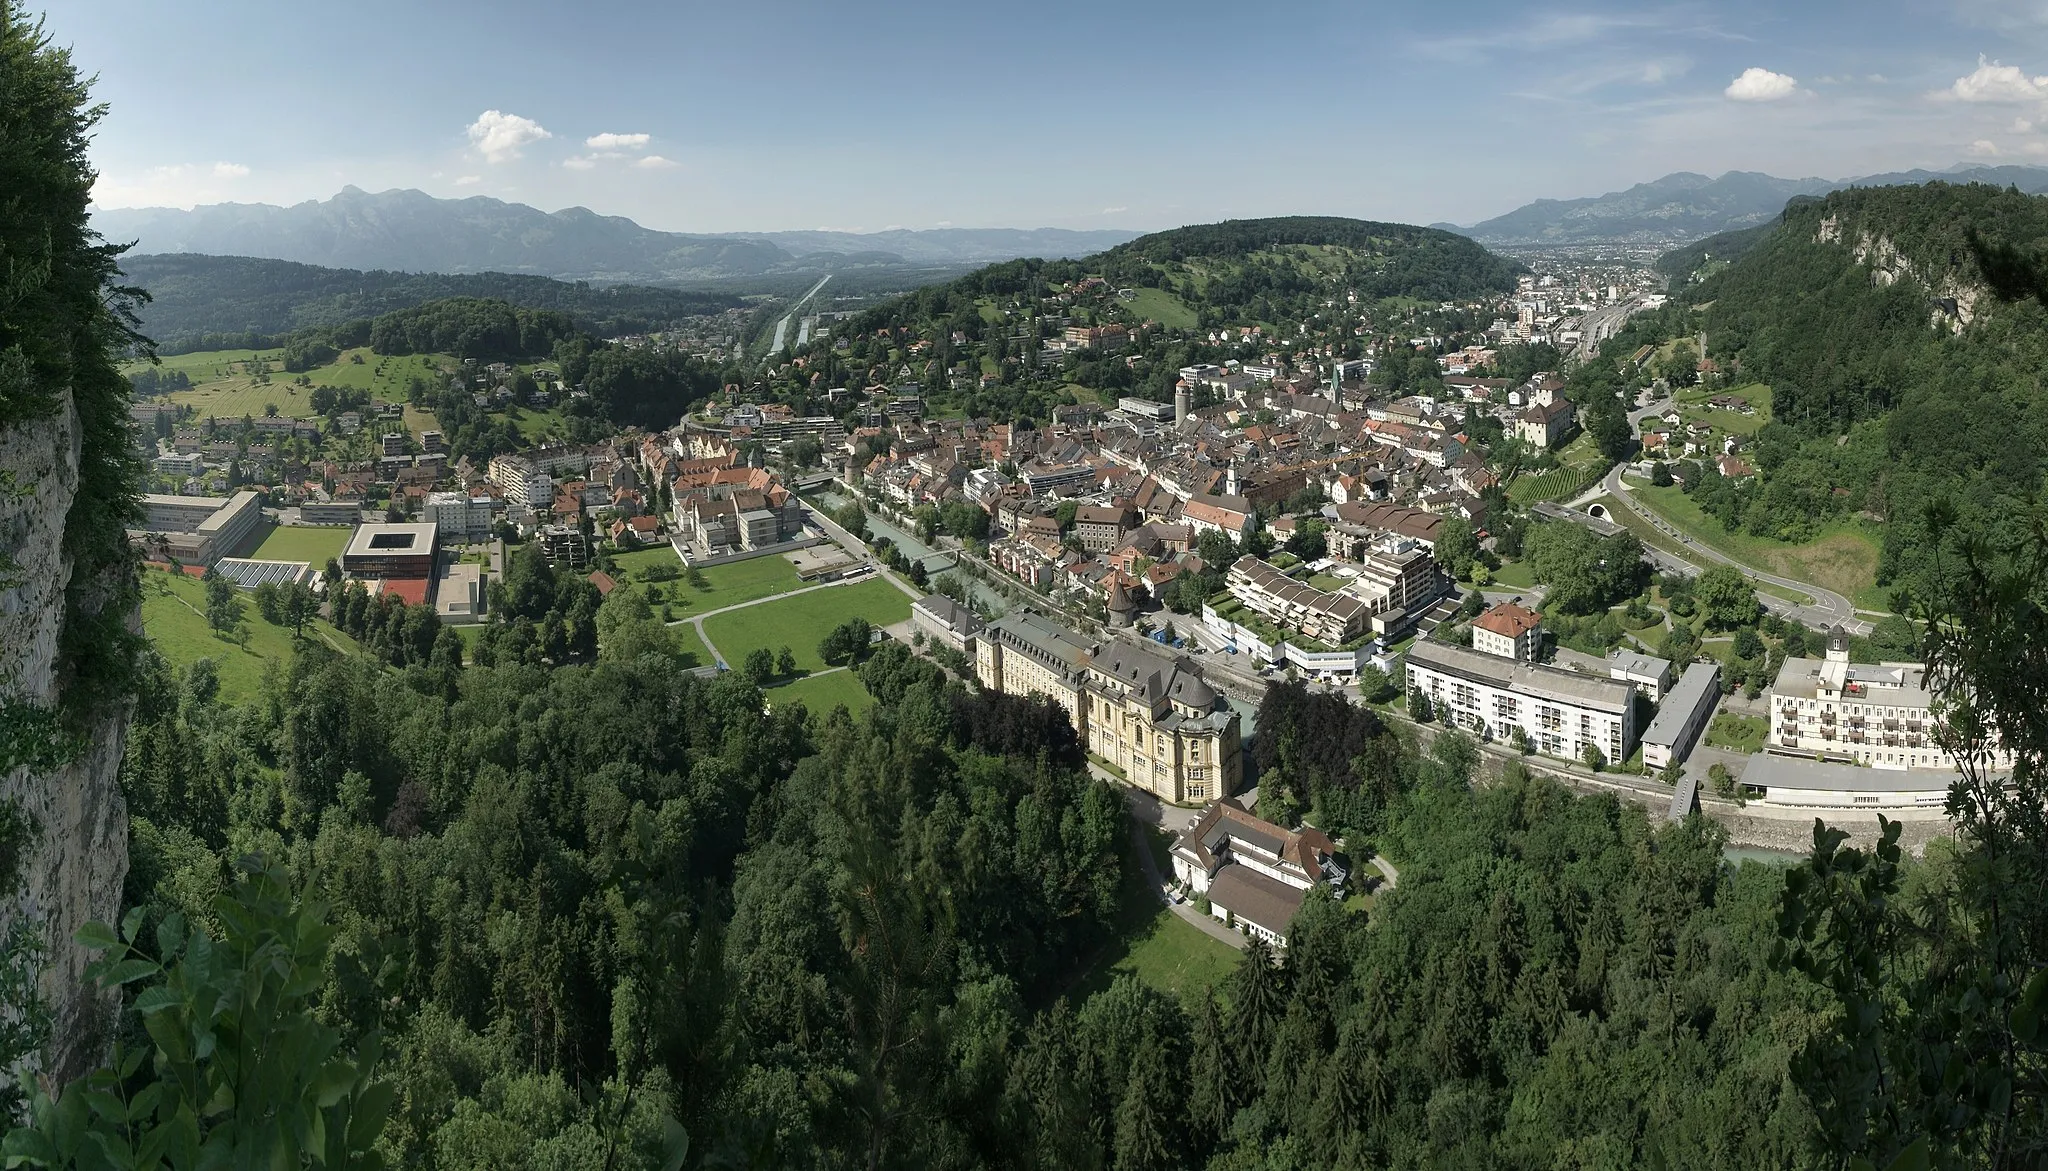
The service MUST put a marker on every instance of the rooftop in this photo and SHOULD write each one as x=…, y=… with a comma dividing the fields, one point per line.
x=1252, y=896
x=1766, y=771
x=1508, y=620
x=1534, y=679
x=1682, y=701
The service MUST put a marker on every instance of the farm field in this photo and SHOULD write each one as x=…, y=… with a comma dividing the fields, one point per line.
x=1580, y=465
x=309, y=543
x=800, y=623
x=174, y=619
x=1160, y=306
x=821, y=693
x=224, y=385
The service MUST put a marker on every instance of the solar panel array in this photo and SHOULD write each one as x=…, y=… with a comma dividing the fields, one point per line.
x=249, y=574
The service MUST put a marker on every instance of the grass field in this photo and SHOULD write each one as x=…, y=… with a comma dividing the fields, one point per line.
x=225, y=387
x=1514, y=575
x=173, y=617
x=1737, y=733
x=1693, y=409
x=1843, y=558
x=1160, y=306
x=800, y=623
x=309, y=543
x=1157, y=946
x=740, y=581
x=822, y=693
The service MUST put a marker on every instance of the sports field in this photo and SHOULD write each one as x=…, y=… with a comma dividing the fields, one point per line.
x=313, y=544
x=800, y=623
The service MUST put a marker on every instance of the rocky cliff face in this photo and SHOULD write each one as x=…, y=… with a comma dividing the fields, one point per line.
x=75, y=866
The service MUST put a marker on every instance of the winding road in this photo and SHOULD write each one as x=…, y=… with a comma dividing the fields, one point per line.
x=1828, y=609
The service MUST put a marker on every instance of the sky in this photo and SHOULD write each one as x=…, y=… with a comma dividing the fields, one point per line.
x=772, y=115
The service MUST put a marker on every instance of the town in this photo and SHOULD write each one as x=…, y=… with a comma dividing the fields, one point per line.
x=1285, y=512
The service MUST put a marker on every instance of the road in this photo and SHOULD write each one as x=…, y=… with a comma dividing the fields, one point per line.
x=1828, y=609
x=1147, y=811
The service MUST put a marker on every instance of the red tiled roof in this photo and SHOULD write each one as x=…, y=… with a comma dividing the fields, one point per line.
x=1509, y=620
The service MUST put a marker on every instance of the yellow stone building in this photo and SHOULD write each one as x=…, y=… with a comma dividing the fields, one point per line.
x=1150, y=715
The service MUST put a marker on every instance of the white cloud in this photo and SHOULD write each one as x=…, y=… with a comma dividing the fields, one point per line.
x=1761, y=85
x=1113, y=210
x=1993, y=82
x=656, y=163
x=230, y=171
x=2021, y=126
x=610, y=141
x=502, y=137
x=580, y=162
x=1984, y=148
x=469, y=180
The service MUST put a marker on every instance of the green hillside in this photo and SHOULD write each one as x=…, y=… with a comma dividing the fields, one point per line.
x=1897, y=378
x=223, y=302
x=1001, y=325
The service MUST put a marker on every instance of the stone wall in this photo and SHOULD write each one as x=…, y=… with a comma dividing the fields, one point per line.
x=74, y=871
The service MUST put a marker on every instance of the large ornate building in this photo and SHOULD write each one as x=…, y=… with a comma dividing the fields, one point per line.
x=1876, y=715
x=1149, y=715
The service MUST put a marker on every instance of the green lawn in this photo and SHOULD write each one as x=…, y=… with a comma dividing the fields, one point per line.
x=822, y=693
x=730, y=584
x=691, y=644
x=173, y=617
x=800, y=623
x=1515, y=575
x=1157, y=946
x=1160, y=306
x=225, y=386
x=310, y=543
x=1842, y=558
x=1737, y=733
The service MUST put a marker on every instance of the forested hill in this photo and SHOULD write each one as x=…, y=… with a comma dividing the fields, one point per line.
x=1240, y=272
x=212, y=302
x=1374, y=259
x=1896, y=377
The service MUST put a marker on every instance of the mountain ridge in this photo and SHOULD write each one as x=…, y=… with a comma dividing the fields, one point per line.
x=407, y=230
x=1686, y=206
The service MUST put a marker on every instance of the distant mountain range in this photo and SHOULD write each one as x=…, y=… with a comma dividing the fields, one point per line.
x=1684, y=206
x=411, y=231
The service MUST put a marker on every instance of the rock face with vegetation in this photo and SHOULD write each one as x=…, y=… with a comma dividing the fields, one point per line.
x=66, y=577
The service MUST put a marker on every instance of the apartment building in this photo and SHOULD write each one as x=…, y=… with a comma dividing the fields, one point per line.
x=1560, y=712
x=1857, y=713
x=1295, y=605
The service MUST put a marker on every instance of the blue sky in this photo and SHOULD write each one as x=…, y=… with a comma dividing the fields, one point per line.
x=775, y=115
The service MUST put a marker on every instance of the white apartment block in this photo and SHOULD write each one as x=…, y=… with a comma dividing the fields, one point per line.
x=462, y=518
x=1856, y=713
x=1559, y=711
x=522, y=481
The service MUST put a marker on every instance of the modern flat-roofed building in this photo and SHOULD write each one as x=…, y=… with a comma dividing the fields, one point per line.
x=199, y=530
x=1648, y=672
x=1559, y=711
x=332, y=512
x=1857, y=713
x=459, y=593
x=1254, y=873
x=390, y=550
x=1682, y=715
x=1823, y=785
